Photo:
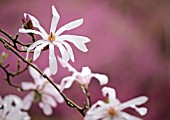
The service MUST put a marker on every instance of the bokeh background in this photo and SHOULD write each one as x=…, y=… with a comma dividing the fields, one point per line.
x=130, y=42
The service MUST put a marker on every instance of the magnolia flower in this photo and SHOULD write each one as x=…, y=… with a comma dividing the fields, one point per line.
x=113, y=109
x=11, y=108
x=55, y=39
x=83, y=78
x=41, y=91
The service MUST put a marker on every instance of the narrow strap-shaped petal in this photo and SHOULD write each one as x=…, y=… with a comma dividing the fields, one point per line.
x=27, y=86
x=38, y=49
x=33, y=46
x=47, y=110
x=67, y=82
x=111, y=94
x=140, y=110
x=69, y=26
x=67, y=65
x=78, y=41
x=63, y=51
x=69, y=50
x=22, y=30
x=103, y=79
x=49, y=100
x=36, y=23
x=85, y=71
x=47, y=72
x=35, y=75
x=131, y=103
x=127, y=116
x=52, y=60
x=27, y=101
x=55, y=19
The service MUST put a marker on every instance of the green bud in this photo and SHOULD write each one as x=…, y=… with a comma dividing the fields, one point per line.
x=4, y=56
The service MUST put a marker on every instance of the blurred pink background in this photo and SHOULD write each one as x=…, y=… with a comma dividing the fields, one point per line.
x=130, y=42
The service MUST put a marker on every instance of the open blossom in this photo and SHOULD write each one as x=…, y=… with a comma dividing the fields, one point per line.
x=83, y=78
x=11, y=108
x=55, y=39
x=41, y=91
x=113, y=109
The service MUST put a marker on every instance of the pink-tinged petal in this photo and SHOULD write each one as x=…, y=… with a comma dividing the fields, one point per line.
x=27, y=101
x=36, y=23
x=110, y=92
x=78, y=41
x=47, y=72
x=67, y=82
x=55, y=19
x=63, y=51
x=131, y=103
x=35, y=75
x=85, y=72
x=69, y=26
x=49, y=100
x=47, y=110
x=27, y=85
x=1, y=101
x=52, y=60
x=22, y=30
x=33, y=46
x=103, y=79
x=127, y=116
x=69, y=50
x=38, y=49
x=66, y=65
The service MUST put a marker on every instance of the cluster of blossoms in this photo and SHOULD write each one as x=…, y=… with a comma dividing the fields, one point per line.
x=44, y=93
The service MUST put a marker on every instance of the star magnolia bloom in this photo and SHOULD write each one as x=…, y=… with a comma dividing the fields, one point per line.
x=83, y=78
x=10, y=108
x=41, y=91
x=113, y=109
x=55, y=39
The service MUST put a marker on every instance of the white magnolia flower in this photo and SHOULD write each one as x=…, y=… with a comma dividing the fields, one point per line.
x=55, y=39
x=11, y=108
x=113, y=109
x=41, y=91
x=83, y=78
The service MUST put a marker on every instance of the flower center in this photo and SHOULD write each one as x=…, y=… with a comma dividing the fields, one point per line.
x=112, y=112
x=51, y=37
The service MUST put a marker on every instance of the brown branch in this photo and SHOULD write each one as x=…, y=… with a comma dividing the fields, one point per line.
x=67, y=100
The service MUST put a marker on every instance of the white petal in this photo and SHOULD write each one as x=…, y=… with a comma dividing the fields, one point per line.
x=141, y=110
x=38, y=49
x=27, y=101
x=22, y=30
x=70, y=51
x=47, y=72
x=67, y=82
x=27, y=85
x=128, y=116
x=36, y=23
x=55, y=19
x=85, y=71
x=49, y=100
x=78, y=41
x=131, y=103
x=46, y=108
x=110, y=92
x=103, y=79
x=35, y=75
x=67, y=65
x=52, y=60
x=33, y=46
x=63, y=51
x=69, y=26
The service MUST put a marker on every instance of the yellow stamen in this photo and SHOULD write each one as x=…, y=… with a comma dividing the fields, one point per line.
x=51, y=37
x=112, y=112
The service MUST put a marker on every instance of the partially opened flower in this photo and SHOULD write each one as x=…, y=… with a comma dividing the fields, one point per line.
x=113, y=109
x=41, y=91
x=11, y=108
x=83, y=78
x=54, y=38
